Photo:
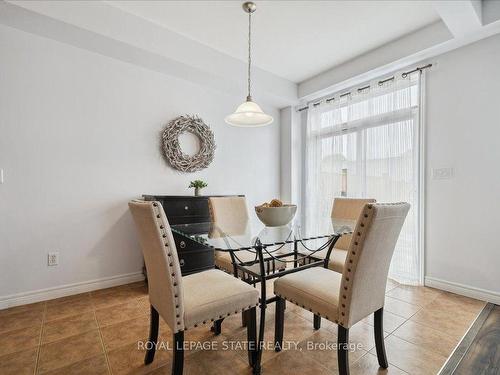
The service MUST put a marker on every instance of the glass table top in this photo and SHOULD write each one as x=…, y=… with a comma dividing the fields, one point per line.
x=243, y=235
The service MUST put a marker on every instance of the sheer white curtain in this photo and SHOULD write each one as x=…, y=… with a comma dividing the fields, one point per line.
x=367, y=144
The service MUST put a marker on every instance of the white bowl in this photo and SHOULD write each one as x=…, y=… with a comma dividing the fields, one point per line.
x=276, y=216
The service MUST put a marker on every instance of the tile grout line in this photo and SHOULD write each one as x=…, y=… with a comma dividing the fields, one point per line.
x=439, y=329
x=39, y=347
x=419, y=345
x=414, y=304
x=101, y=338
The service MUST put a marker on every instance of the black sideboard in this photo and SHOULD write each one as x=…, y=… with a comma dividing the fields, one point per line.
x=180, y=209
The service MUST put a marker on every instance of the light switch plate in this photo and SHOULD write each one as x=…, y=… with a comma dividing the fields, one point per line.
x=442, y=173
x=1, y=176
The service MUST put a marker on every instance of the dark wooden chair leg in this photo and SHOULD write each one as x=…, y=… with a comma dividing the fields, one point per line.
x=343, y=350
x=243, y=318
x=178, y=355
x=154, y=324
x=317, y=322
x=379, y=338
x=217, y=327
x=251, y=316
x=279, y=323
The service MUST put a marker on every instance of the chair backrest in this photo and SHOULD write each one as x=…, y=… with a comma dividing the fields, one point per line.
x=162, y=262
x=227, y=210
x=349, y=209
x=368, y=259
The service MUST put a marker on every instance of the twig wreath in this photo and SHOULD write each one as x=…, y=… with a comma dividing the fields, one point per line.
x=173, y=152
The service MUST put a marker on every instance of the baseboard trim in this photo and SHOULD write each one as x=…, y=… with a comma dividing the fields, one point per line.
x=68, y=290
x=464, y=290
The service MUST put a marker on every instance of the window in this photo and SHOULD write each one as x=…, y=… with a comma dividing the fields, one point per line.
x=368, y=145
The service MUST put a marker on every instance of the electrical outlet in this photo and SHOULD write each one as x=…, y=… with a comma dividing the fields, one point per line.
x=53, y=259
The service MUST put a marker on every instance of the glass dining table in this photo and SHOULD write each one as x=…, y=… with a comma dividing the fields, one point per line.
x=258, y=253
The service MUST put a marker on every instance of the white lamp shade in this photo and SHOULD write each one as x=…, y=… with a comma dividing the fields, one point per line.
x=249, y=114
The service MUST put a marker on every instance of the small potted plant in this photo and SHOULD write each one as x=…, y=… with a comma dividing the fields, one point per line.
x=197, y=185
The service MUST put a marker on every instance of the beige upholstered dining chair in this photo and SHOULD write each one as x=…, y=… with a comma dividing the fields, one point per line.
x=345, y=209
x=348, y=297
x=231, y=212
x=189, y=301
x=225, y=212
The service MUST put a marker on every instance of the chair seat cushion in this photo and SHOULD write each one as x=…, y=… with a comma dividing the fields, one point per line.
x=223, y=261
x=214, y=294
x=316, y=289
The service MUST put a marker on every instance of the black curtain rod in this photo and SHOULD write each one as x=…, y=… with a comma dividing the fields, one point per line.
x=361, y=89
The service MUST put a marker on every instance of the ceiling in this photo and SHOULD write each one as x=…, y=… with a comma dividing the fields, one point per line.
x=291, y=39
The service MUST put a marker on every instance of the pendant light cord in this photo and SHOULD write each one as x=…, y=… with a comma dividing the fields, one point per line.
x=249, y=82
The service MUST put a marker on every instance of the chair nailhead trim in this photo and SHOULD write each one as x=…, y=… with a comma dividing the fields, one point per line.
x=307, y=308
x=353, y=259
x=221, y=316
x=161, y=227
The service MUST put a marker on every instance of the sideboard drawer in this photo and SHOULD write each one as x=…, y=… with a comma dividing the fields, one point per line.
x=196, y=260
x=187, y=207
x=193, y=257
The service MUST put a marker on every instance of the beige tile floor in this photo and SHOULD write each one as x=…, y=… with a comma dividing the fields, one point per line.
x=98, y=333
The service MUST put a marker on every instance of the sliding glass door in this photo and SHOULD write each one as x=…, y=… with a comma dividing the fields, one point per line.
x=368, y=145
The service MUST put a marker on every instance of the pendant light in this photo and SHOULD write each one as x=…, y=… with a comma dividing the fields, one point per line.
x=249, y=114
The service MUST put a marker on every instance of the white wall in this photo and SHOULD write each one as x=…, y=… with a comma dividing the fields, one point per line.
x=79, y=137
x=463, y=132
